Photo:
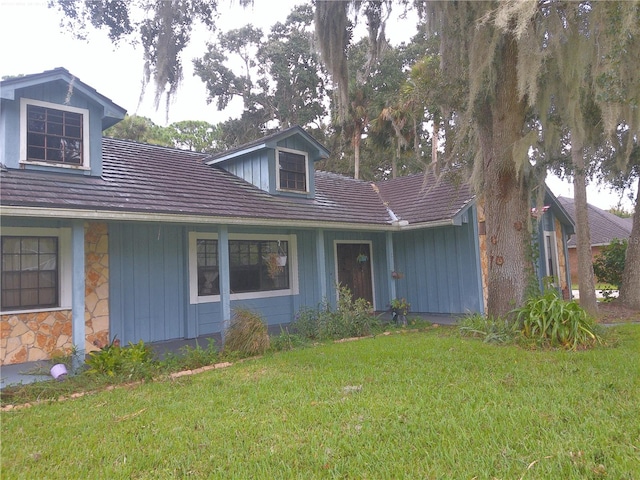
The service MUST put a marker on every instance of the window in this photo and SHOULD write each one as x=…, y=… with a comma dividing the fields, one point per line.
x=258, y=265
x=292, y=171
x=551, y=254
x=208, y=273
x=54, y=134
x=29, y=272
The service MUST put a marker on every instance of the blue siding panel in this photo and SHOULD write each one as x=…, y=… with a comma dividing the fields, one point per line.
x=441, y=274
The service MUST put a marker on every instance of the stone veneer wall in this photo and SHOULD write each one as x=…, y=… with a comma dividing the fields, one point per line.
x=28, y=337
x=96, y=315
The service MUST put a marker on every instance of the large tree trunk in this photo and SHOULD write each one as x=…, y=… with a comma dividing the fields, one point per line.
x=586, y=277
x=507, y=200
x=630, y=288
x=356, y=154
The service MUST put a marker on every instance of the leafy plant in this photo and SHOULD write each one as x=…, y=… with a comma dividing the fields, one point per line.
x=549, y=319
x=133, y=361
x=247, y=335
x=287, y=341
x=609, y=265
x=192, y=357
x=400, y=306
x=351, y=318
x=491, y=330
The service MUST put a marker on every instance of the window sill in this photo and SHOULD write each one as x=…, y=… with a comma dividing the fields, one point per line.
x=35, y=310
x=246, y=296
x=55, y=165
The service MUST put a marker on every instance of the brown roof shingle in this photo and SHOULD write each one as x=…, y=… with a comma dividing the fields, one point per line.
x=150, y=179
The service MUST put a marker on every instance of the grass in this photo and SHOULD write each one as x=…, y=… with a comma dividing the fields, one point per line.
x=417, y=405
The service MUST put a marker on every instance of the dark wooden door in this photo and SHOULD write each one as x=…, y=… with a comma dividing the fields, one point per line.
x=354, y=269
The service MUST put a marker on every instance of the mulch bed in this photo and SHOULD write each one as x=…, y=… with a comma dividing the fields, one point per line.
x=613, y=312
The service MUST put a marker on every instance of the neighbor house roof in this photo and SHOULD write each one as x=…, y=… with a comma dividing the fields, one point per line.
x=149, y=182
x=603, y=226
x=112, y=113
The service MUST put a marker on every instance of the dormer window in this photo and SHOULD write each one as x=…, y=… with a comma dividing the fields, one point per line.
x=293, y=172
x=54, y=134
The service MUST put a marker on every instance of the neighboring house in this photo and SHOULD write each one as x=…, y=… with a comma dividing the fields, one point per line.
x=105, y=238
x=603, y=227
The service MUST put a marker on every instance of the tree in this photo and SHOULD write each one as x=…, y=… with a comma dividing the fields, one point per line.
x=163, y=28
x=139, y=129
x=519, y=55
x=194, y=135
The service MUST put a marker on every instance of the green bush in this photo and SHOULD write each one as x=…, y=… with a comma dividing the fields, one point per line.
x=247, y=334
x=351, y=318
x=491, y=330
x=609, y=265
x=550, y=320
x=133, y=362
x=191, y=357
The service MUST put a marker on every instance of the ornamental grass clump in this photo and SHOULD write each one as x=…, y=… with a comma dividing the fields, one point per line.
x=247, y=335
x=550, y=320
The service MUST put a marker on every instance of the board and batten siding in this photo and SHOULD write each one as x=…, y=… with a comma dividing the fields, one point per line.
x=148, y=282
x=253, y=168
x=441, y=269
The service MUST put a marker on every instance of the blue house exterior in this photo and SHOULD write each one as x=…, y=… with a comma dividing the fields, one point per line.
x=105, y=238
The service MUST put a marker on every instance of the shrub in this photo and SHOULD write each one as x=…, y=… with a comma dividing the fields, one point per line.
x=352, y=318
x=192, y=357
x=550, y=320
x=247, y=335
x=133, y=362
x=609, y=265
x=287, y=341
x=491, y=330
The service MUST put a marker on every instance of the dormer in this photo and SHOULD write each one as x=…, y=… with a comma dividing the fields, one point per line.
x=281, y=164
x=53, y=122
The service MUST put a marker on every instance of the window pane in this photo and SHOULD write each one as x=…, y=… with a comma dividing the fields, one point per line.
x=292, y=171
x=250, y=272
x=29, y=272
x=54, y=135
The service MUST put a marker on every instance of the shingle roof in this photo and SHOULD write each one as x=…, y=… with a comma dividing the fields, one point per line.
x=603, y=226
x=155, y=180
x=421, y=199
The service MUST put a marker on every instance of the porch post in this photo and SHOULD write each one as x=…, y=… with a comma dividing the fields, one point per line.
x=225, y=285
x=77, y=292
x=322, y=268
x=390, y=265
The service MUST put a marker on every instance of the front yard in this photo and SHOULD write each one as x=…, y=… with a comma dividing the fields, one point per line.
x=414, y=405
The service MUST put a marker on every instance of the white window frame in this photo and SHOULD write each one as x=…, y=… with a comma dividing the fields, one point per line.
x=65, y=286
x=553, y=255
x=292, y=265
x=306, y=169
x=86, y=164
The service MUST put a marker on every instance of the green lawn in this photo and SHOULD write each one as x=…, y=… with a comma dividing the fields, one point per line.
x=417, y=405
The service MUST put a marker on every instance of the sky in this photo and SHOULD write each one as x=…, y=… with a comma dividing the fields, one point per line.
x=32, y=41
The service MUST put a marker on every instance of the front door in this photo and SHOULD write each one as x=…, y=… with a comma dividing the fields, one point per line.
x=354, y=269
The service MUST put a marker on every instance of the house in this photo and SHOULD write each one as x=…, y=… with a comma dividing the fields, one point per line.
x=105, y=238
x=603, y=227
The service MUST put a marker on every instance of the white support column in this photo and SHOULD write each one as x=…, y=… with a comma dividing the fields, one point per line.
x=225, y=284
x=77, y=292
x=390, y=265
x=321, y=259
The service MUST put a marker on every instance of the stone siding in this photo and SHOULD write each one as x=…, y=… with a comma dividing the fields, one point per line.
x=96, y=313
x=28, y=337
